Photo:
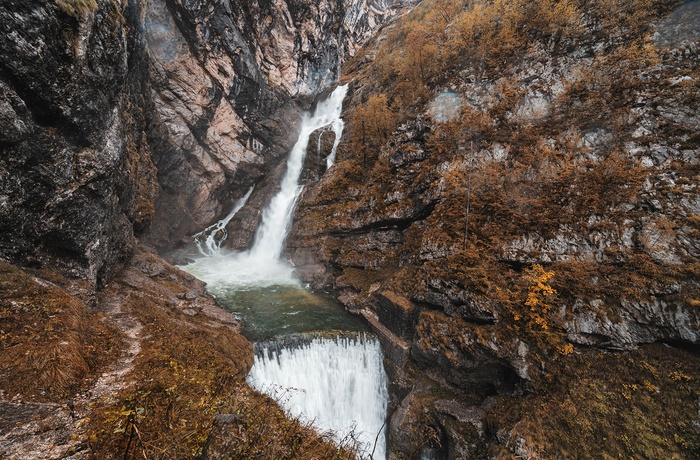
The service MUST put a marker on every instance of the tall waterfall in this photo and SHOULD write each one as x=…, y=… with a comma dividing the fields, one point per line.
x=260, y=266
x=277, y=217
x=338, y=383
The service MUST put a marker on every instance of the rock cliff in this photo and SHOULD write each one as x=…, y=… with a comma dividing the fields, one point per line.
x=119, y=120
x=230, y=82
x=516, y=192
x=76, y=177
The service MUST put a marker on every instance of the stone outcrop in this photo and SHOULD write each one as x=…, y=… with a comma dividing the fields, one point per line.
x=76, y=177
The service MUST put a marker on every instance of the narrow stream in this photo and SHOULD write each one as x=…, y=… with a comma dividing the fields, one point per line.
x=319, y=362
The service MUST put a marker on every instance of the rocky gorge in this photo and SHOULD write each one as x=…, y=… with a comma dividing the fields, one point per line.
x=513, y=209
x=126, y=126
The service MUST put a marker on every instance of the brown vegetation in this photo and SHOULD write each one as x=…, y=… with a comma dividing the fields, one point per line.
x=51, y=344
x=77, y=7
x=598, y=405
x=513, y=221
x=188, y=368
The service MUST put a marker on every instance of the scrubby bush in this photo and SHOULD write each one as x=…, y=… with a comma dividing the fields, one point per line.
x=77, y=7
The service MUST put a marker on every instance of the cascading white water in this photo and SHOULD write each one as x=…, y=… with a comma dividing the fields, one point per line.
x=260, y=266
x=277, y=217
x=337, y=127
x=338, y=383
x=342, y=379
x=429, y=453
x=209, y=240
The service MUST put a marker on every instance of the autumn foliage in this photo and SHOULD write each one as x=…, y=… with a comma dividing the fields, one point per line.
x=488, y=189
x=541, y=202
x=539, y=293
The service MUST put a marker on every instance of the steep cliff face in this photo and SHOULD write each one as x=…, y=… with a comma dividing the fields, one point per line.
x=97, y=98
x=230, y=81
x=516, y=192
x=76, y=178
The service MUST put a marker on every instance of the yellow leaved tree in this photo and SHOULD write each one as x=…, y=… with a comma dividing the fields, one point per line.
x=538, y=306
x=539, y=294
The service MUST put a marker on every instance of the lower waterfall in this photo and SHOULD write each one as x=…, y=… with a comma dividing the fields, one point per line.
x=338, y=383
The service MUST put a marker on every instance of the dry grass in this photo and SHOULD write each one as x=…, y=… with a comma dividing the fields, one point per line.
x=189, y=369
x=77, y=7
x=51, y=344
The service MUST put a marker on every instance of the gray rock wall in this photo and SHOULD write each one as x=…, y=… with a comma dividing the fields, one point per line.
x=76, y=179
x=122, y=121
x=230, y=82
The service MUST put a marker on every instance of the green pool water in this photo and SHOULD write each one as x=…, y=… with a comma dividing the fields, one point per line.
x=267, y=298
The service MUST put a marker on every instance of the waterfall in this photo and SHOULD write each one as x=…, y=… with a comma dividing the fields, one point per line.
x=337, y=127
x=429, y=453
x=277, y=217
x=214, y=235
x=261, y=265
x=338, y=383
x=336, y=380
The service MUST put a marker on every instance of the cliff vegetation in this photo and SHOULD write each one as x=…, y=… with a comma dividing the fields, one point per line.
x=517, y=201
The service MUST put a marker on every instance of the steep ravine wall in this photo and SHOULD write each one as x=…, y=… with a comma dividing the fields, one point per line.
x=76, y=177
x=531, y=251
x=124, y=121
x=230, y=81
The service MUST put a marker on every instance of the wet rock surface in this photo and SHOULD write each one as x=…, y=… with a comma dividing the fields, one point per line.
x=76, y=178
x=320, y=147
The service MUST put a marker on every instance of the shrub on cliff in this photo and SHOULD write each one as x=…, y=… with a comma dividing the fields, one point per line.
x=77, y=7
